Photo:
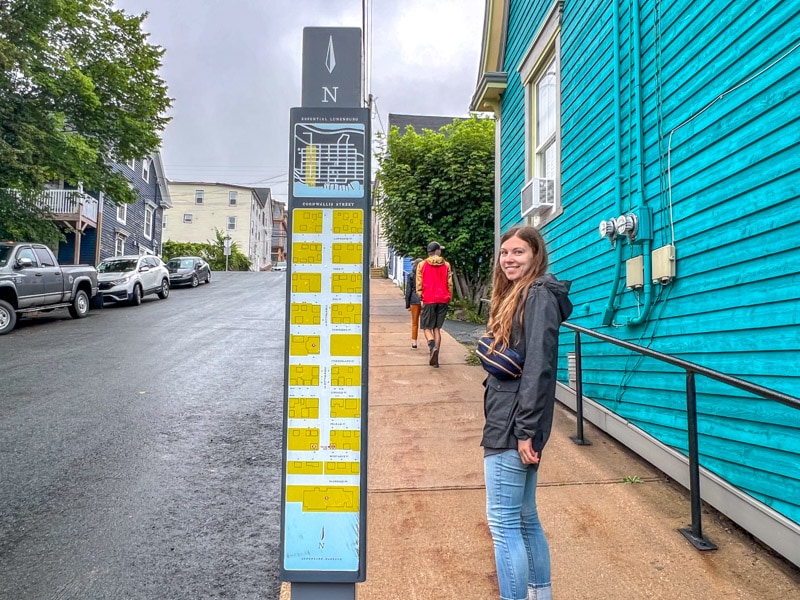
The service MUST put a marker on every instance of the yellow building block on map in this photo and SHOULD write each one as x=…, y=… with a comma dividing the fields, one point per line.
x=342, y=468
x=345, y=344
x=303, y=345
x=345, y=314
x=302, y=439
x=304, y=408
x=305, y=313
x=306, y=283
x=307, y=253
x=345, y=439
x=306, y=220
x=346, y=408
x=346, y=253
x=348, y=221
x=345, y=375
x=303, y=375
x=347, y=283
x=325, y=499
x=301, y=467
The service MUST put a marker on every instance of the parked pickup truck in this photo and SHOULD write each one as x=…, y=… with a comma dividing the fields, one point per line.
x=31, y=280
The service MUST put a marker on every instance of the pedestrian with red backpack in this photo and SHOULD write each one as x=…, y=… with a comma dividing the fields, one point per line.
x=435, y=288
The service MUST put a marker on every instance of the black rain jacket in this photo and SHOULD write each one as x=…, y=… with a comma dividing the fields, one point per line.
x=522, y=408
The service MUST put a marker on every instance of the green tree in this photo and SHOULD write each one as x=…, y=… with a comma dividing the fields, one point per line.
x=22, y=217
x=440, y=186
x=79, y=88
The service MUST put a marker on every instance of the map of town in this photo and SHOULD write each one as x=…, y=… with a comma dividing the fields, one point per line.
x=304, y=408
x=346, y=314
x=306, y=283
x=309, y=253
x=347, y=253
x=347, y=283
x=345, y=344
x=304, y=313
x=324, y=499
x=348, y=221
x=306, y=221
x=345, y=375
x=302, y=438
x=303, y=345
x=346, y=408
x=304, y=375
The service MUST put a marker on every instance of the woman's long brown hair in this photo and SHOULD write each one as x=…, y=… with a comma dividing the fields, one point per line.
x=508, y=297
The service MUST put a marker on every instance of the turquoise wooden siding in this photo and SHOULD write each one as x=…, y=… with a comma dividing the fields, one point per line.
x=728, y=171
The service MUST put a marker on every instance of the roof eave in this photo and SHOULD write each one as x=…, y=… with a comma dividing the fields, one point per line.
x=489, y=91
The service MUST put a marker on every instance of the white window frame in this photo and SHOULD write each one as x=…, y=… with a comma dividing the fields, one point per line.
x=132, y=164
x=119, y=244
x=544, y=52
x=122, y=213
x=187, y=218
x=199, y=196
x=146, y=170
x=231, y=224
x=164, y=222
x=233, y=198
x=149, y=213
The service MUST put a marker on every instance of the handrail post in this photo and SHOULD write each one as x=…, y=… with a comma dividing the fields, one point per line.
x=579, y=439
x=695, y=533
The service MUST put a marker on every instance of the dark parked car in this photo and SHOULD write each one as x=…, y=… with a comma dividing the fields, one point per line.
x=188, y=270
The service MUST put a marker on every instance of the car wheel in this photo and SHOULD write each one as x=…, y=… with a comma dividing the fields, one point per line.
x=164, y=292
x=195, y=280
x=8, y=317
x=136, y=297
x=80, y=305
x=208, y=277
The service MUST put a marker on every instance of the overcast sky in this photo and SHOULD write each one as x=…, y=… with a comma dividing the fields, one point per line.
x=234, y=70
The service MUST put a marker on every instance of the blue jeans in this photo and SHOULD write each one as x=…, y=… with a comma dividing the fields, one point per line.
x=520, y=547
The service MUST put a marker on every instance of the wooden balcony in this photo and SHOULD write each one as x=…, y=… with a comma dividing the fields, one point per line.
x=73, y=207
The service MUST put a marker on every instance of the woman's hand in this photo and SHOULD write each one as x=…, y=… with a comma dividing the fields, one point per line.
x=527, y=454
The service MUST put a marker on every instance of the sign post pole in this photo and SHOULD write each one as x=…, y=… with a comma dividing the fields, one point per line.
x=324, y=491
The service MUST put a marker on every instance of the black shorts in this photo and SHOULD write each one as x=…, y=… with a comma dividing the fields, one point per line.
x=433, y=316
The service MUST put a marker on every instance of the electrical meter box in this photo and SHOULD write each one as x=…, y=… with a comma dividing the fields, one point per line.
x=663, y=264
x=634, y=273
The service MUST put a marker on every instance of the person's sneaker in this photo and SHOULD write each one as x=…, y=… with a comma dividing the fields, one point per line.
x=434, y=362
x=413, y=346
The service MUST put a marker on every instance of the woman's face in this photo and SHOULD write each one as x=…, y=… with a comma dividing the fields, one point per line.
x=516, y=258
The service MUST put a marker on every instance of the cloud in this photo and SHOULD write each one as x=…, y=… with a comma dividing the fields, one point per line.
x=234, y=69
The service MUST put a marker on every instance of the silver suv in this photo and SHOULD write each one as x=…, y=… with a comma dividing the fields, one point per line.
x=130, y=278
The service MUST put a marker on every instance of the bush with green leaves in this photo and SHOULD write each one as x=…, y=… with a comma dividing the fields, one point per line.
x=213, y=252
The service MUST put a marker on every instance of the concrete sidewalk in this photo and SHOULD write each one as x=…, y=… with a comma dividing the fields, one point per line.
x=427, y=535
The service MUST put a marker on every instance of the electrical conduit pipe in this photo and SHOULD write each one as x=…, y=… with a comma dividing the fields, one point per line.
x=608, y=312
x=640, y=195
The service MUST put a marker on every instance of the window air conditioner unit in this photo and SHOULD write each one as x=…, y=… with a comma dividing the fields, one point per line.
x=538, y=196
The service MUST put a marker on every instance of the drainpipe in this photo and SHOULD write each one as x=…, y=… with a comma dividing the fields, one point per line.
x=608, y=312
x=639, y=196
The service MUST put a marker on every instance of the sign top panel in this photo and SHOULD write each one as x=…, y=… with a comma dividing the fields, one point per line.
x=332, y=67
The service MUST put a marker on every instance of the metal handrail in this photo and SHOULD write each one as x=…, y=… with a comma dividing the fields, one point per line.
x=695, y=533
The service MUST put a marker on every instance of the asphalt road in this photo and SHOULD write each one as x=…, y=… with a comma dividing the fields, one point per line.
x=140, y=447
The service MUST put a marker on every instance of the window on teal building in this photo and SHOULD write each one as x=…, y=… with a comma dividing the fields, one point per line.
x=540, y=72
